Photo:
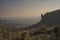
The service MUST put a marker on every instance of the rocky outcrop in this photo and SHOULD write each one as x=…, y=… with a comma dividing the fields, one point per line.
x=51, y=18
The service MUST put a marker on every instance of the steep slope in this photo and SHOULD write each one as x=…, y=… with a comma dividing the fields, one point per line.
x=49, y=19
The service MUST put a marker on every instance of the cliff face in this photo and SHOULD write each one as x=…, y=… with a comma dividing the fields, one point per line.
x=51, y=18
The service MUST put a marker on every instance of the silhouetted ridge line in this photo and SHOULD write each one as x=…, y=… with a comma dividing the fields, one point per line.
x=49, y=19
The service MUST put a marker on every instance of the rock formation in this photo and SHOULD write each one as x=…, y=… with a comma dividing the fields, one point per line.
x=51, y=18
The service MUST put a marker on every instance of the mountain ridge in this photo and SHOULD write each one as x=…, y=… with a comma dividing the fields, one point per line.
x=49, y=19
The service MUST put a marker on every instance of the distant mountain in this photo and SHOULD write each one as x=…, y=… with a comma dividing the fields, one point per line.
x=49, y=19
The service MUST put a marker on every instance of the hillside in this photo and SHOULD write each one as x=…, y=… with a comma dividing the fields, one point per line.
x=49, y=19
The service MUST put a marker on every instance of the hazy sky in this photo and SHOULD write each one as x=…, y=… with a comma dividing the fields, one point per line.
x=26, y=8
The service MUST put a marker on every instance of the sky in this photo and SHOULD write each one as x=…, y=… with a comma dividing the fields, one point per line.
x=27, y=8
